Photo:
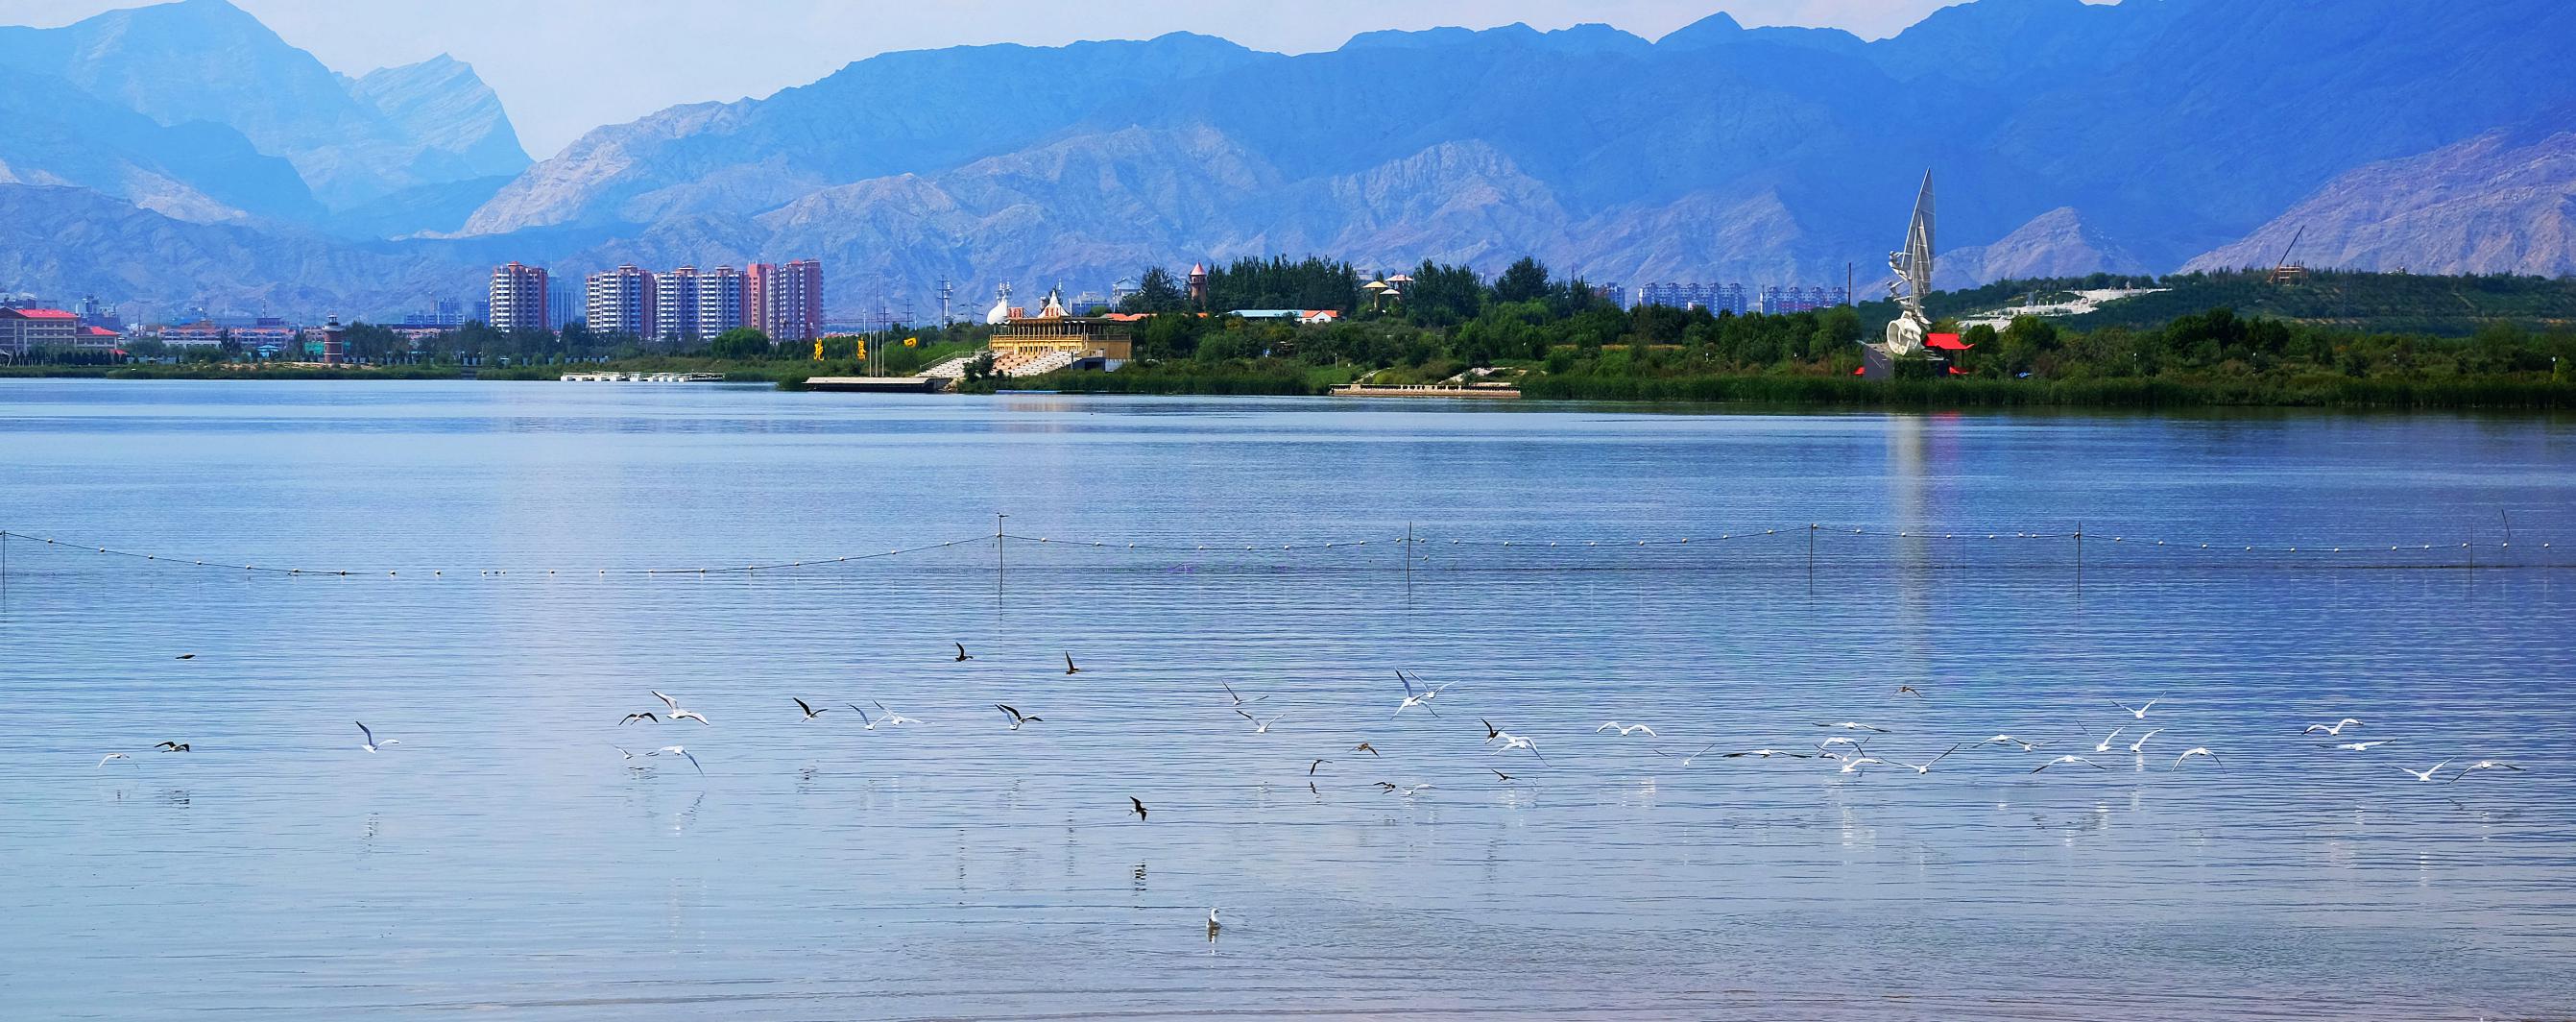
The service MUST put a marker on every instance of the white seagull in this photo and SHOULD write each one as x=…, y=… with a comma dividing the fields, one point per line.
x=1625, y=729
x=1512, y=741
x=2426, y=775
x=2105, y=744
x=892, y=719
x=2194, y=751
x=1259, y=726
x=2139, y=712
x=102, y=760
x=1414, y=697
x=1849, y=725
x=2140, y=746
x=370, y=743
x=2010, y=740
x=2335, y=728
x=2484, y=764
x=2362, y=746
x=1765, y=754
x=864, y=720
x=2070, y=759
x=674, y=750
x=809, y=711
x=1239, y=700
x=631, y=764
x=1925, y=767
x=1853, y=765
x=677, y=713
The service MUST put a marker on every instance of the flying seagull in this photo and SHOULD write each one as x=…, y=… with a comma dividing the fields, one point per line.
x=2140, y=746
x=1238, y=699
x=2139, y=712
x=1764, y=754
x=2484, y=764
x=2105, y=745
x=962, y=655
x=863, y=716
x=2010, y=740
x=1259, y=726
x=810, y=712
x=1925, y=767
x=1499, y=775
x=102, y=760
x=2362, y=746
x=185, y=656
x=1909, y=690
x=1069, y=668
x=892, y=719
x=2195, y=751
x=1365, y=747
x=629, y=757
x=1018, y=718
x=1139, y=804
x=370, y=742
x=674, y=750
x=2070, y=759
x=2335, y=729
x=1625, y=729
x=1491, y=732
x=1853, y=765
x=678, y=714
x=1414, y=697
x=1855, y=726
x=633, y=717
x=172, y=746
x=2426, y=775
x=1310, y=767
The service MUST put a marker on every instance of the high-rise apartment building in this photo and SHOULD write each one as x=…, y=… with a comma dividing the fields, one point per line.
x=675, y=305
x=621, y=302
x=520, y=296
x=786, y=299
x=724, y=301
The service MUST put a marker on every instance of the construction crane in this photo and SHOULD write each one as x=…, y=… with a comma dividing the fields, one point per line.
x=2286, y=272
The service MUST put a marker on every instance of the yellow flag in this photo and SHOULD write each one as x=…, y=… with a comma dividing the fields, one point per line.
x=863, y=348
x=818, y=349
x=912, y=342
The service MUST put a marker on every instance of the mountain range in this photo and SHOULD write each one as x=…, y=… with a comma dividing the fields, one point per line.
x=2064, y=138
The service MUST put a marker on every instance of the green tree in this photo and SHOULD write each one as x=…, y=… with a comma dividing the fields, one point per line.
x=1524, y=281
x=741, y=342
x=1157, y=291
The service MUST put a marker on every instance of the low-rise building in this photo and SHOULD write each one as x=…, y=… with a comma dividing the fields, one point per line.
x=25, y=330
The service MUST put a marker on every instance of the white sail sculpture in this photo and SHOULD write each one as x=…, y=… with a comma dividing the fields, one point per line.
x=1913, y=283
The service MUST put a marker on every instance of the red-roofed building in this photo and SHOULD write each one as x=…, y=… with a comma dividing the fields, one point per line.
x=25, y=330
x=1946, y=342
x=192, y=335
x=98, y=338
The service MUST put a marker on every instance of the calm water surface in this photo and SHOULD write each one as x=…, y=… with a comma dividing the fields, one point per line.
x=506, y=859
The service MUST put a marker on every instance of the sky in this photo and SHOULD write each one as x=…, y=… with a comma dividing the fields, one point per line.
x=563, y=67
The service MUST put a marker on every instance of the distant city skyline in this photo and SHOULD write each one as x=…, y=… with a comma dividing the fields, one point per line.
x=571, y=66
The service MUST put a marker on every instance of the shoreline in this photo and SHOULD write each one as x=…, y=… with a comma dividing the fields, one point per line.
x=1775, y=392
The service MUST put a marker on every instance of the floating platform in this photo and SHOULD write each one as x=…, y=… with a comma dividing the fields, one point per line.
x=643, y=377
x=878, y=384
x=1423, y=390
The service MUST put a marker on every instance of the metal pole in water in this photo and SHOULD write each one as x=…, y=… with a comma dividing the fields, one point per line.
x=999, y=541
x=2079, y=557
x=1408, y=562
x=1811, y=558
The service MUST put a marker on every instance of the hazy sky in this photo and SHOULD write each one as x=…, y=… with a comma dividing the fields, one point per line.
x=563, y=67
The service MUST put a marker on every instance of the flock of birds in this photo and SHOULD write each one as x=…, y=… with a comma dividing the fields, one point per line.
x=1847, y=749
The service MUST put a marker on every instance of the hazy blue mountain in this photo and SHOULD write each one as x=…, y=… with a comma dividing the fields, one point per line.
x=441, y=104
x=914, y=112
x=1717, y=153
x=2503, y=202
x=206, y=60
x=52, y=133
x=58, y=241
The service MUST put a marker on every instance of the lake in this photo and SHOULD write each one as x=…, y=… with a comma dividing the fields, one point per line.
x=527, y=563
